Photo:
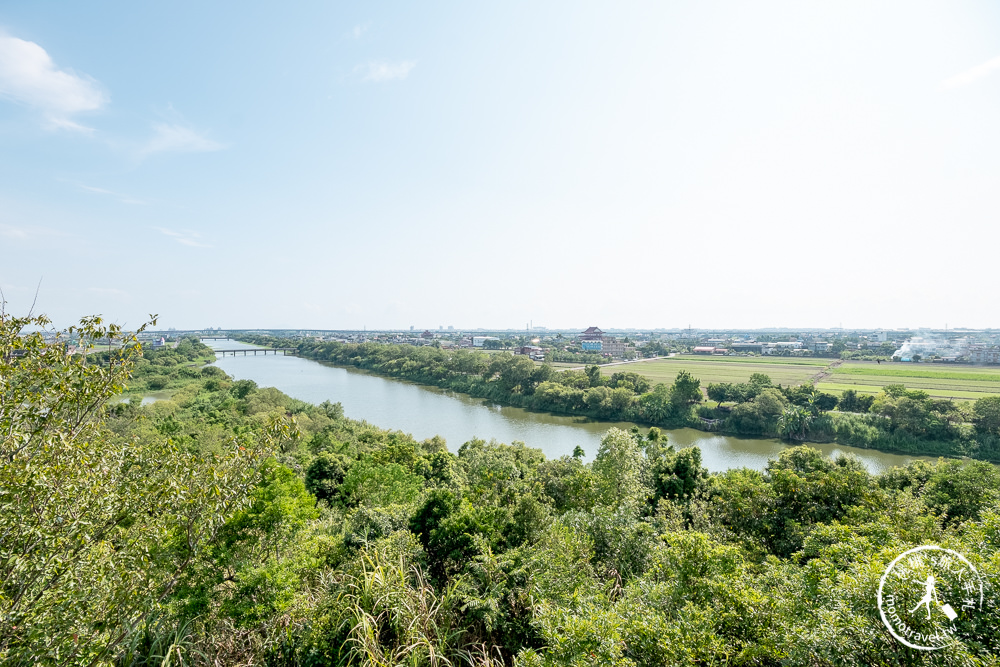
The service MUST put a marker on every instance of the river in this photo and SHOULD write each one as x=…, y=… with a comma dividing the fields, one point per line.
x=428, y=411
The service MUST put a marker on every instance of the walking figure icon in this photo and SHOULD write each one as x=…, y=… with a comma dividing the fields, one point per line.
x=930, y=595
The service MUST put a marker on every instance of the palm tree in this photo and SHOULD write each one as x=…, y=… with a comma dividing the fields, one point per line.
x=793, y=422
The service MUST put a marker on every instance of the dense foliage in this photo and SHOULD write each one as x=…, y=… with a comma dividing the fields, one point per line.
x=98, y=525
x=897, y=420
x=352, y=545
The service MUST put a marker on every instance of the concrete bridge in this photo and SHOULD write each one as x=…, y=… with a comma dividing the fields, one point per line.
x=262, y=350
x=213, y=338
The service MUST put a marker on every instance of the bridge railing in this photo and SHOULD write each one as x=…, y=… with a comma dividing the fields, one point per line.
x=259, y=350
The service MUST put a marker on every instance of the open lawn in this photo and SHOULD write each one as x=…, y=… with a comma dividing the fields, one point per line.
x=723, y=369
x=958, y=382
x=963, y=383
x=941, y=372
x=837, y=389
x=559, y=365
x=770, y=361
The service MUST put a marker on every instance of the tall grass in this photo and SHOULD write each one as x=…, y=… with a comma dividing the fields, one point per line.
x=161, y=643
x=398, y=618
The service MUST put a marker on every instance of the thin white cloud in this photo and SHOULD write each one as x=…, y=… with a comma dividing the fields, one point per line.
x=379, y=71
x=358, y=30
x=13, y=232
x=184, y=237
x=117, y=195
x=172, y=138
x=973, y=74
x=27, y=233
x=29, y=76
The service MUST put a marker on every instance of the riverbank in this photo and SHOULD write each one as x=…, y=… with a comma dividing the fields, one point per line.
x=766, y=410
x=427, y=411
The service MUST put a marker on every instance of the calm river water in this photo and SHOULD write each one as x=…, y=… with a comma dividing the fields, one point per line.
x=428, y=411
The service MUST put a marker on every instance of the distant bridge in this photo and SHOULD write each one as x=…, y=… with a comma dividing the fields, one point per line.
x=262, y=350
x=213, y=338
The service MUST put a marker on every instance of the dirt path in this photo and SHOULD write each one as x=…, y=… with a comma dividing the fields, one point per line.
x=826, y=372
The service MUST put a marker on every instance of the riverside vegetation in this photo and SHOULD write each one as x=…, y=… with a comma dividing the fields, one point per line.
x=233, y=525
x=897, y=419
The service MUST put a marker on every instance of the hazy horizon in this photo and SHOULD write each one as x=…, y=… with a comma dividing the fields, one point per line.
x=545, y=329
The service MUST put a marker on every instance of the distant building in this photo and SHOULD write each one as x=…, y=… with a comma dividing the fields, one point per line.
x=614, y=347
x=480, y=341
x=592, y=340
x=159, y=343
x=426, y=334
x=703, y=349
x=782, y=346
x=984, y=355
x=749, y=347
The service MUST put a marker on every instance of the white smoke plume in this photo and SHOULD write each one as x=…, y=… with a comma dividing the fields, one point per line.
x=930, y=346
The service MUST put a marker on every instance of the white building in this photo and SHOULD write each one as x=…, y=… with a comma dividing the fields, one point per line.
x=478, y=341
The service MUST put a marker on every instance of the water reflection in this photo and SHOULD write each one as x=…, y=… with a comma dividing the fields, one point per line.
x=427, y=411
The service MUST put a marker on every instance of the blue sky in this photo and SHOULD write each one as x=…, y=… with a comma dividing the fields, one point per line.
x=656, y=164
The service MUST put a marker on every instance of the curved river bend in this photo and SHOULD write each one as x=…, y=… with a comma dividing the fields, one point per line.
x=428, y=411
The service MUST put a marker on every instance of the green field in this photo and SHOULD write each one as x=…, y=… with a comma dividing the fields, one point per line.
x=769, y=361
x=955, y=394
x=722, y=369
x=963, y=383
x=958, y=382
x=975, y=373
x=560, y=365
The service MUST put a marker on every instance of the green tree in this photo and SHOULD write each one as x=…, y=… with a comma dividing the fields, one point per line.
x=631, y=381
x=242, y=388
x=657, y=406
x=373, y=484
x=963, y=489
x=677, y=475
x=686, y=389
x=619, y=467
x=325, y=474
x=849, y=401
x=794, y=421
x=760, y=415
x=96, y=530
x=719, y=392
x=987, y=414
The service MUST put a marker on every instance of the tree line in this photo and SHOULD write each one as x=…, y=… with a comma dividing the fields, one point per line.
x=897, y=419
